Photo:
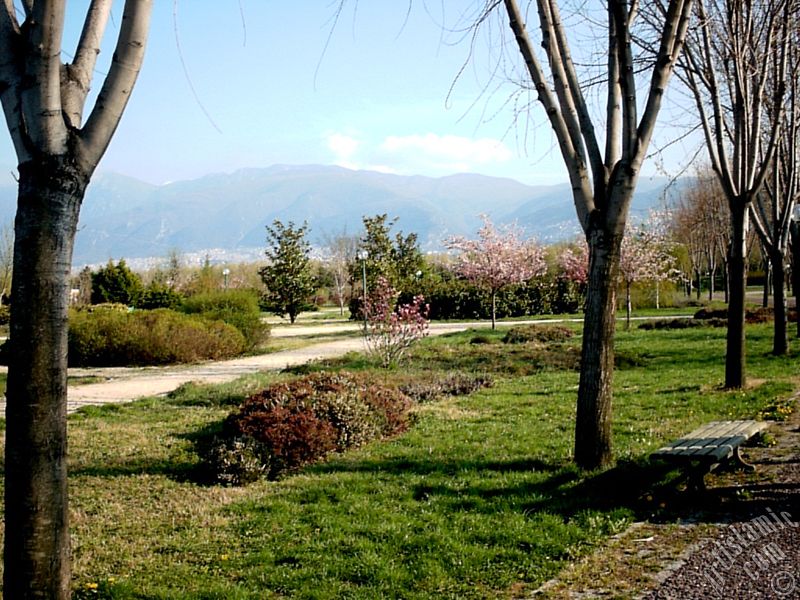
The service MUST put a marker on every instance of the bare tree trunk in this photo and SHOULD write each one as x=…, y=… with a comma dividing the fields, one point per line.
x=627, y=305
x=37, y=542
x=699, y=289
x=737, y=280
x=44, y=101
x=780, y=340
x=494, y=309
x=767, y=282
x=727, y=288
x=593, y=422
x=711, y=276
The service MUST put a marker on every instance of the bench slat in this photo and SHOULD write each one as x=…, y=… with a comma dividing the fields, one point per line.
x=713, y=442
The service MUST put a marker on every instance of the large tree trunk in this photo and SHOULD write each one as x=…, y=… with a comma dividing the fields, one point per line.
x=593, y=421
x=737, y=282
x=795, y=242
x=780, y=340
x=37, y=555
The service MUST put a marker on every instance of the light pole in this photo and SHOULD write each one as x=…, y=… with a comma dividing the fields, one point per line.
x=363, y=255
x=225, y=272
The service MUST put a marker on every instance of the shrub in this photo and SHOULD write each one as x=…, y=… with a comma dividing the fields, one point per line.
x=537, y=333
x=159, y=295
x=294, y=423
x=391, y=331
x=238, y=460
x=453, y=384
x=109, y=337
x=5, y=314
x=238, y=308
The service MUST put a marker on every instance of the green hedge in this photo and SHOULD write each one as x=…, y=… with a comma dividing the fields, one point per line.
x=459, y=299
x=111, y=337
x=238, y=308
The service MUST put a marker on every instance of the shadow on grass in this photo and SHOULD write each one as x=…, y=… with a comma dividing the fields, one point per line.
x=186, y=469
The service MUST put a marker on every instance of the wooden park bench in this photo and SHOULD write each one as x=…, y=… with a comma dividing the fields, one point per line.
x=706, y=448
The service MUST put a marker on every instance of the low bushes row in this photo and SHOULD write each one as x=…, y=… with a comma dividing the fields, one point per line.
x=109, y=336
x=209, y=326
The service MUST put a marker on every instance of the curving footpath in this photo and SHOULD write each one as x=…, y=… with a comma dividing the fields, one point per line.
x=127, y=384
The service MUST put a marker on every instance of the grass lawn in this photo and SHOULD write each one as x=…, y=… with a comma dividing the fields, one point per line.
x=478, y=500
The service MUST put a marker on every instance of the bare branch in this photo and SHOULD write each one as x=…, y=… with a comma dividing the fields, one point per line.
x=117, y=87
x=673, y=37
x=41, y=99
x=79, y=74
x=584, y=202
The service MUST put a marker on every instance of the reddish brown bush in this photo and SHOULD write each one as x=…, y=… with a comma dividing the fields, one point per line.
x=294, y=423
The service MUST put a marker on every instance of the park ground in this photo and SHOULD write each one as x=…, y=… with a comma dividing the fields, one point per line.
x=479, y=499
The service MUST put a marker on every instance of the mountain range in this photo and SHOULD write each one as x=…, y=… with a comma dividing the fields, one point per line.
x=127, y=218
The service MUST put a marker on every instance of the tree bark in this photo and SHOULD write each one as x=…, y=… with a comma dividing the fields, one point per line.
x=712, y=275
x=737, y=282
x=37, y=554
x=780, y=340
x=593, y=422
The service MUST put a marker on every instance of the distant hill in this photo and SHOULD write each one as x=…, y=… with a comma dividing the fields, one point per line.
x=125, y=217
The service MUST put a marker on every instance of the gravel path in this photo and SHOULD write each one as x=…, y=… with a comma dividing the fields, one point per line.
x=127, y=384
x=756, y=554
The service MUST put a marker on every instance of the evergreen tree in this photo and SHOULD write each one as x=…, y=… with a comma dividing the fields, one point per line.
x=288, y=275
x=397, y=261
x=116, y=283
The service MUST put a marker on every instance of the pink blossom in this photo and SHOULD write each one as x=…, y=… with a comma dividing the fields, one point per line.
x=389, y=333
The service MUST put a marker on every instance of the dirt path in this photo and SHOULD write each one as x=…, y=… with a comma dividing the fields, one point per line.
x=127, y=384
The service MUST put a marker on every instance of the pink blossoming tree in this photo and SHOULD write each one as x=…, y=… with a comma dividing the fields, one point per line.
x=645, y=257
x=573, y=263
x=498, y=258
x=390, y=332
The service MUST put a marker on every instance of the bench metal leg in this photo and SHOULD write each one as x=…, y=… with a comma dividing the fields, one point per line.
x=741, y=463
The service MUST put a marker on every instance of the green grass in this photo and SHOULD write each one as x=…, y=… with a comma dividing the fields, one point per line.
x=478, y=500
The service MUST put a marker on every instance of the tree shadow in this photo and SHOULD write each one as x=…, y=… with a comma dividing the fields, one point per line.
x=184, y=470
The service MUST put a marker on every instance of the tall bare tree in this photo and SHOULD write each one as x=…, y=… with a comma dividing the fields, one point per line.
x=603, y=172
x=774, y=206
x=340, y=250
x=44, y=102
x=701, y=224
x=736, y=66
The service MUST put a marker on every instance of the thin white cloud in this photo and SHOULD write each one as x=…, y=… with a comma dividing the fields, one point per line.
x=419, y=154
x=449, y=149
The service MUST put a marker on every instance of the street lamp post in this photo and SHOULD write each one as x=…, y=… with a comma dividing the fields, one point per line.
x=363, y=255
x=225, y=272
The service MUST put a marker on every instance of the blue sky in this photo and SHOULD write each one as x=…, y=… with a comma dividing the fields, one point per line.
x=381, y=96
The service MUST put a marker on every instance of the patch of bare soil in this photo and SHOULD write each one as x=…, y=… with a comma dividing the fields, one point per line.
x=740, y=539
